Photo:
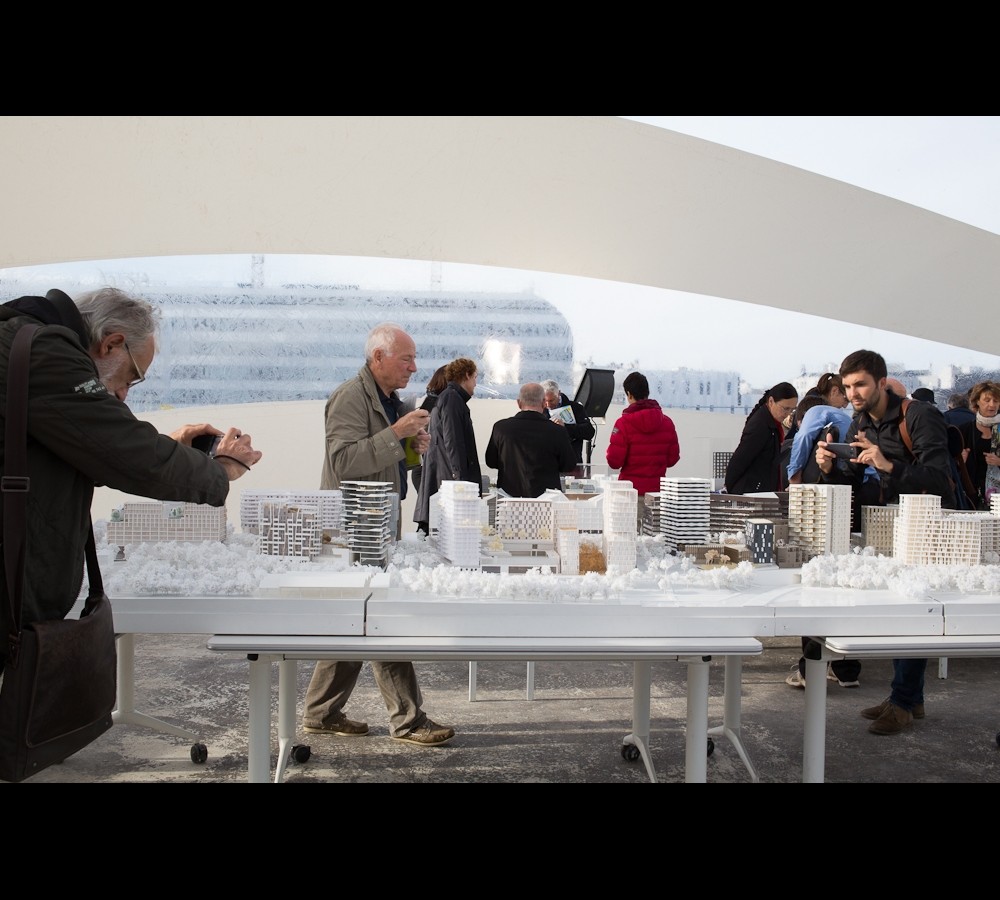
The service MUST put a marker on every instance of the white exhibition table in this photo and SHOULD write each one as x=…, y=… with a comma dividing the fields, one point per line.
x=358, y=616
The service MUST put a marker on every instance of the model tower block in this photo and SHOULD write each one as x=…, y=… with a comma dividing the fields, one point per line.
x=621, y=510
x=369, y=521
x=760, y=541
x=819, y=518
x=685, y=505
x=288, y=529
x=566, y=530
x=460, y=523
x=877, y=523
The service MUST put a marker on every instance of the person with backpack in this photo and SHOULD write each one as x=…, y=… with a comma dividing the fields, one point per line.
x=906, y=442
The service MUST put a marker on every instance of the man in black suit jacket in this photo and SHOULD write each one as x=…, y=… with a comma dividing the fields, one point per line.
x=527, y=452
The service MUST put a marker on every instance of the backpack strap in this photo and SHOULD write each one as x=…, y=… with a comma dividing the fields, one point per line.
x=904, y=432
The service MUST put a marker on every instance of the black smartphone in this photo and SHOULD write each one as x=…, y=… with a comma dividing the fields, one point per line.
x=843, y=451
x=207, y=443
x=429, y=402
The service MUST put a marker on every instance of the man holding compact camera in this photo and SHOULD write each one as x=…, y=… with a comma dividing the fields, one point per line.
x=920, y=465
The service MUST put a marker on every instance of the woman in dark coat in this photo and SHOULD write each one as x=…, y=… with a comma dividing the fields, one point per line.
x=452, y=455
x=756, y=463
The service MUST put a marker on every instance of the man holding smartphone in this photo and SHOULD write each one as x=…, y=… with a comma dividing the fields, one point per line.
x=877, y=430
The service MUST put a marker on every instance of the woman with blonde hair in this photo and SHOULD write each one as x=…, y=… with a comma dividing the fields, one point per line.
x=982, y=441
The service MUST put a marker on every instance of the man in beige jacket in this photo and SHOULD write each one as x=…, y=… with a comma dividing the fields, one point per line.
x=365, y=430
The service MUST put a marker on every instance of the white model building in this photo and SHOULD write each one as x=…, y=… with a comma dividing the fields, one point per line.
x=288, y=529
x=371, y=512
x=685, y=505
x=877, y=524
x=328, y=506
x=459, y=523
x=140, y=522
x=924, y=534
x=621, y=510
x=819, y=518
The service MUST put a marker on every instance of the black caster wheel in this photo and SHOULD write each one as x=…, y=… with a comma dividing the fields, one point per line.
x=711, y=747
x=630, y=753
x=301, y=753
x=199, y=753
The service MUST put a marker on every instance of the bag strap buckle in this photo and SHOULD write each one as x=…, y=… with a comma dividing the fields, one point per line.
x=15, y=484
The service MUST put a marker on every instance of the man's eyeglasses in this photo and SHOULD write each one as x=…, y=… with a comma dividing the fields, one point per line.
x=138, y=371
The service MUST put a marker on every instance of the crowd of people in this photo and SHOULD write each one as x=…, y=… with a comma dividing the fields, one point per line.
x=89, y=353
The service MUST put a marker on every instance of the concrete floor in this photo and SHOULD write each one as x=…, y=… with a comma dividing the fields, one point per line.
x=571, y=732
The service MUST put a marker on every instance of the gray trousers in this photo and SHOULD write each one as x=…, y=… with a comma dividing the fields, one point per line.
x=332, y=683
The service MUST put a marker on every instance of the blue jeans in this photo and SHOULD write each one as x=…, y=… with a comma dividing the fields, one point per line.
x=908, y=682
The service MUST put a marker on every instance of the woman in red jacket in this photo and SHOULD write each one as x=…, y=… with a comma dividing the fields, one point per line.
x=643, y=443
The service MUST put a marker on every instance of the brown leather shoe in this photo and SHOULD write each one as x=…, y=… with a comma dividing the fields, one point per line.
x=430, y=734
x=343, y=727
x=892, y=721
x=873, y=712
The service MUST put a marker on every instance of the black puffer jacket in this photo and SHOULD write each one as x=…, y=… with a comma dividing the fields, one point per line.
x=79, y=436
x=926, y=471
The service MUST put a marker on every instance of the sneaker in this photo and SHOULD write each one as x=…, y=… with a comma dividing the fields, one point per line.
x=430, y=734
x=796, y=680
x=343, y=727
x=844, y=684
x=893, y=720
x=875, y=712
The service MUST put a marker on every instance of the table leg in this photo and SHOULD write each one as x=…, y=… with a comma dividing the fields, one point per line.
x=259, y=730
x=731, y=727
x=696, y=750
x=125, y=712
x=287, y=695
x=639, y=738
x=814, y=738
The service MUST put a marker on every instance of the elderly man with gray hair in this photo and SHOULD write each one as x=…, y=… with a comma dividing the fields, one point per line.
x=580, y=429
x=527, y=452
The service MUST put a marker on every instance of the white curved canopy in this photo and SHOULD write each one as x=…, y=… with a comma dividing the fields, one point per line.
x=596, y=196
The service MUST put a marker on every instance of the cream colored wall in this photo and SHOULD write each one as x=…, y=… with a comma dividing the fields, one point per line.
x=291, y=435
x=594, y=196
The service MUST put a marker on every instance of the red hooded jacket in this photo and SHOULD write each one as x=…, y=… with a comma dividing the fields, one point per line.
x=643, y=445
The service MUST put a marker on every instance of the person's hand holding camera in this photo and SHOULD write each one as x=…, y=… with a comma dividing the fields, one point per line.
x=235, y=453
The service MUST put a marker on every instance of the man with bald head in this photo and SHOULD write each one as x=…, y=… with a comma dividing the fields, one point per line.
x=366, y=427
x=527, y=452
x=896, y=386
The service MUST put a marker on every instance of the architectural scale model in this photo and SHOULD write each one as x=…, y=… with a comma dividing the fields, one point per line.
x=924, y=534
x=685, y=505
x=289, y=529
x=328, y=506
x=371, y=511
x=150, y=521
x=819, y=518
x=621, y=511
x=460, y=523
